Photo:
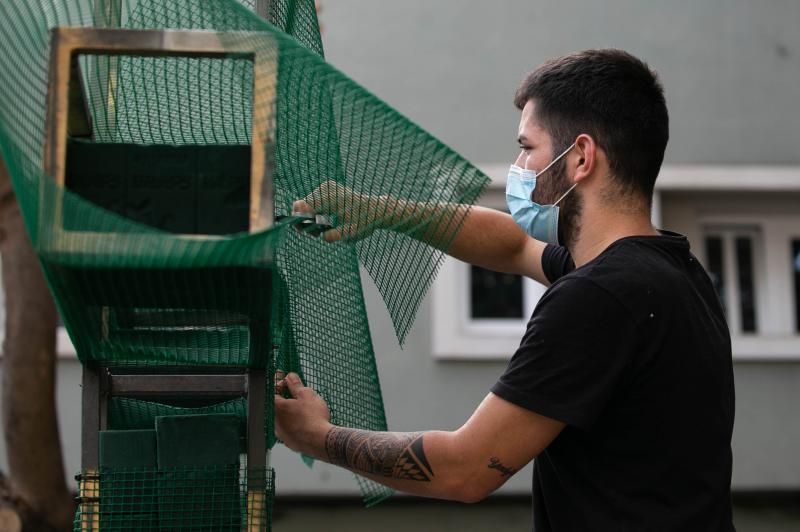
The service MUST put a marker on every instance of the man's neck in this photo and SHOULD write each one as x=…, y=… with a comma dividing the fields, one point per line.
x=600, y=231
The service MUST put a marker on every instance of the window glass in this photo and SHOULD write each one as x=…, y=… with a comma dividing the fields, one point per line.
x=747, y=295
x=715, y=267
x=796, y=270
x=495, y=295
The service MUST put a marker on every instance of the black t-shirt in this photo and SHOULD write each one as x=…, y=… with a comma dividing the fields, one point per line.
x=632, y=352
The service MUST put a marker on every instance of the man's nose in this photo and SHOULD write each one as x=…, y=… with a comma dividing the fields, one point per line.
x=522, y=159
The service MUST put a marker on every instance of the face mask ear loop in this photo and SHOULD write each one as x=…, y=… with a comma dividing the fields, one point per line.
x=564, y=195
x=554, y=161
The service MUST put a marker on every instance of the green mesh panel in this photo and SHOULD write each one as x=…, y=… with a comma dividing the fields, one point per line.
x=133, y=288
x=125, y=413
x=219, y=498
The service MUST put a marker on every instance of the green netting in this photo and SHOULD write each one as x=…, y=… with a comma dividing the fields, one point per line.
x=219, y=498
x=125, y=413
x=147, y=249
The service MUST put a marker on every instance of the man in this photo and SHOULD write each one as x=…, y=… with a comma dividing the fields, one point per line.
x=622, y=386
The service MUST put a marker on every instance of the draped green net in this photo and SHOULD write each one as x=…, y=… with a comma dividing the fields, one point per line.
x=146, y=245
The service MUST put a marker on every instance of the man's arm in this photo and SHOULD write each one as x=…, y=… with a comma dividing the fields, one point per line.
x=486, y=237
x=465, y=465
x=491, y=239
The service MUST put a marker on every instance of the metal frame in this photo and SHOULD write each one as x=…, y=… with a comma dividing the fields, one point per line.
x=167, y=385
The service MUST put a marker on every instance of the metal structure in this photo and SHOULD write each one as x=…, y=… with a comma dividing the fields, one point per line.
x=67, y=115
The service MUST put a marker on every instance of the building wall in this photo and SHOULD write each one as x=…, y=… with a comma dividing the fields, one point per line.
x=730, y=70
x=767, y=427
x=730, y=67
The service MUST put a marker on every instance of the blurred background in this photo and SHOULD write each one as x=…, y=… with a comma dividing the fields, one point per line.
x=730, y=182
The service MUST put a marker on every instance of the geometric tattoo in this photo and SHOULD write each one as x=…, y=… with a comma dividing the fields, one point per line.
x=389, y=454
x=494, y=463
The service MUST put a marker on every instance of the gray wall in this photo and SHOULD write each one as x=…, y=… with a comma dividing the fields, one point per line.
x=731, y=71
x=730, y=67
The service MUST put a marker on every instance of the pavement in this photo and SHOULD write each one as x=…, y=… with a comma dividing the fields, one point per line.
x=752, y=513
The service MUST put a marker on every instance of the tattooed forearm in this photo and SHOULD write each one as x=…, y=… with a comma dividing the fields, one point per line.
x=389, y=454
x=494, y=463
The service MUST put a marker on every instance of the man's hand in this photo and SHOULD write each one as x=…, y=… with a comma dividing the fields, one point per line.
x=358, y=214
x=303, y=421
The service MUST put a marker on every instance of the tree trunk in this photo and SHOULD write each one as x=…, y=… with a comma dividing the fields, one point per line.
x=30, y=425
x=16, y=515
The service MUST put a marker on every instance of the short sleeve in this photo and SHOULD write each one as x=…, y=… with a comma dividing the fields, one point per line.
x=556, y=262
x=575, y=352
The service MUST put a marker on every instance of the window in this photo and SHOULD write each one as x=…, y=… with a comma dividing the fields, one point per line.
x=730, y=264
x=495, y=295
x=480, y=314
x=714, y=266
x=754, y=265
x=795, y=266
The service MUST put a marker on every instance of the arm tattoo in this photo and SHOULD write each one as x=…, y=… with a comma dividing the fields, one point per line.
x=389, y=454
x=494, y=463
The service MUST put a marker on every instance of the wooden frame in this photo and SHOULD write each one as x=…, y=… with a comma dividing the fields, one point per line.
x=68, y=43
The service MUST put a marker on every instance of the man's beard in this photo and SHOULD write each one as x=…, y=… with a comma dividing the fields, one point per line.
x=569, y=219
x=552, y=187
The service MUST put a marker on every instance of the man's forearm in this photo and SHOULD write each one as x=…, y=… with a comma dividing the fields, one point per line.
x=476, y=235
x=465, y=465
x=435, y=224
x=396, y=459
x=388, y=454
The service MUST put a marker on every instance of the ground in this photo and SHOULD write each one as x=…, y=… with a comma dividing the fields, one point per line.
x=752, y=513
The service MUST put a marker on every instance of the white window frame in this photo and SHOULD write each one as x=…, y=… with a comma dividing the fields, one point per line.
x=776, y=337
x=457, y=339
x=727, y=232
x=456, y=335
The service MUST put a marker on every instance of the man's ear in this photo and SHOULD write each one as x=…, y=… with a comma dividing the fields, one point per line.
x=585, y=157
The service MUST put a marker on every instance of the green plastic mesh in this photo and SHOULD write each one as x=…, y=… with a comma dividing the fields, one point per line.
x=124, y=245
x=220, y=498
x=126, y=413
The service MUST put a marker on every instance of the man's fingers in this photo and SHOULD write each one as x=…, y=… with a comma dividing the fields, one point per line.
x=332, y=235
x=280, y=384
x=289, y=382
x=348, y=231
x=294, y=384
x=302, y=207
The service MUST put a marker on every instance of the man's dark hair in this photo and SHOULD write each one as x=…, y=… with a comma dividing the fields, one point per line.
x=612, y=96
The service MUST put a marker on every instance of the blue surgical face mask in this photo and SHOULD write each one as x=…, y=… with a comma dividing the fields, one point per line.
x=539, y=221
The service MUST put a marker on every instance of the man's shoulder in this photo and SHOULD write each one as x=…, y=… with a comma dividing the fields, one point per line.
x=578, y=293
x=637, y=273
